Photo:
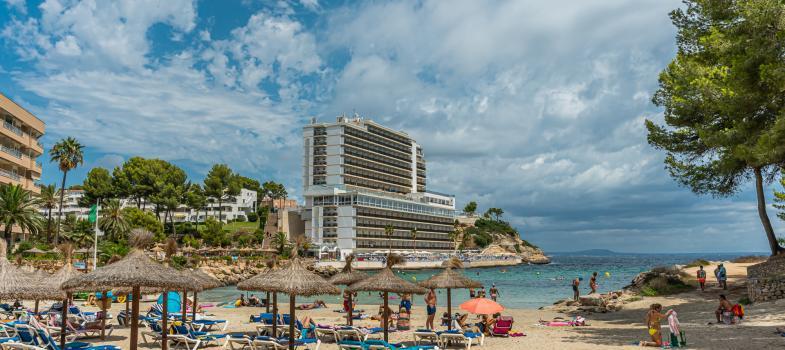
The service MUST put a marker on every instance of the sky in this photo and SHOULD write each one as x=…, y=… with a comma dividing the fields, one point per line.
x=536, y=107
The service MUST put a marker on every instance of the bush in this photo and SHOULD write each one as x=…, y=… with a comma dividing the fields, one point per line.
x=698, y=262
x=253, y=217
x=179, y=261
x=745, y=301
x=648, y=291
x=214, y=233
x=240, y=218
x=749, y=259
x=23, y=246
x=662, y=285
x=144, y=219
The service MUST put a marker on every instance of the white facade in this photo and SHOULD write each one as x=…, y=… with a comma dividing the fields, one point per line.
x=240, y=206
x=360, y=177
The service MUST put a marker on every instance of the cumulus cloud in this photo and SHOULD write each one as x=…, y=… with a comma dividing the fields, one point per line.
x=536, y=107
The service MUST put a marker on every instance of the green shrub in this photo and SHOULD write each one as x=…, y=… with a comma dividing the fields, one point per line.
x=648, y=291
x=698, y=262
x=517, y=248
x=240, y=218
x=745, y=301
x=179, y=261
x=23, y=246
x=253, y=217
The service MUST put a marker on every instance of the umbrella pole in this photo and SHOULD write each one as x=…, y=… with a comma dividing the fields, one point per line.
x=385, y=316
x=275, y=314
x=164, y=322
x=267, y=303
x=103, y=317
x=127, y=300
x=185, y=302
x=36, y=308
x=193, y=308
x=449, y=309
x=64, y=319
x=135, y=295
x=291, y=322
x=351, y=311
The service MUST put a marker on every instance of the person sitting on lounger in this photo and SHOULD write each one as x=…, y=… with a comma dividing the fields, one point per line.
x=315, y=305
x=460, y=322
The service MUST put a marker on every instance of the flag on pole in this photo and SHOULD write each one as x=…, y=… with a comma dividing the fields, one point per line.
x=93, y=216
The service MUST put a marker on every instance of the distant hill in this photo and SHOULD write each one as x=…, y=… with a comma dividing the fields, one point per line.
x=592, y=252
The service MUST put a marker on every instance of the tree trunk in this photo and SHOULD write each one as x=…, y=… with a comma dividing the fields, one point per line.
x=49, y=224
x=764, y=217
x=171, y=220
x=7, y=236
x=60, y=209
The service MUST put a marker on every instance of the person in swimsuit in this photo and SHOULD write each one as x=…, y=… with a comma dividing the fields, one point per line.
x=494, y=292
x=653, y=319
x=725, y=306
x=430, y=302
x=406, y=303
x=593, y=283
x=472, y=295
x=722, y=275
x=575, y=292
x=702, y=278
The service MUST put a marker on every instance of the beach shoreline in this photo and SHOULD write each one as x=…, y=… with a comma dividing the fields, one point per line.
x=612, y=330
x=421, y=265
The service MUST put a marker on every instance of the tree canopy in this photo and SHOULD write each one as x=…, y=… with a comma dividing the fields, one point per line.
x=723, y=97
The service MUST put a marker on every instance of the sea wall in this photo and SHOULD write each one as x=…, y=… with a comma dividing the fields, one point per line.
x=766, y=281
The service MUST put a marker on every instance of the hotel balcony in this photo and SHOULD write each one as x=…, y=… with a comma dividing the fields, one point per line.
x=368, y=164
x=357, y=142
x=378, y=140
x=365, y=154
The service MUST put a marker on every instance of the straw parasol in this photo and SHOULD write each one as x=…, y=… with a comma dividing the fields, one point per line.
x=14, y=283
x=293, y=280
x=35, y=251
x=450, y=279
x=386, y=281
x=136, y=270
x=202, y=281
x=346, y=277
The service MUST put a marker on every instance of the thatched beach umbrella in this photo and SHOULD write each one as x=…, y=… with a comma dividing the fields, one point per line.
x=346, y=277
x=35, y=251
x=14, y=282
x=293, y=280
x=203, y=281
x=387, y=282
x=450, y=279
x=136, y=271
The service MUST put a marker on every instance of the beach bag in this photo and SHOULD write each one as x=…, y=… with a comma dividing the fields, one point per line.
x=678, y=341
x=738, y=311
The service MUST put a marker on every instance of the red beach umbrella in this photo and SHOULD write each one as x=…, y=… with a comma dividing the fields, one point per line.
x=482, y=306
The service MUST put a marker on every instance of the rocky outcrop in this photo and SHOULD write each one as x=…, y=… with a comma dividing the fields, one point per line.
x=233, y=272
x=597, y=303
x=507, y=245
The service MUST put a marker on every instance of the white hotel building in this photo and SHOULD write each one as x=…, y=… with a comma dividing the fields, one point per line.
x=358, y=178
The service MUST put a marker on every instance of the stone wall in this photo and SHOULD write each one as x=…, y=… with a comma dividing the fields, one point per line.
x=766, y=281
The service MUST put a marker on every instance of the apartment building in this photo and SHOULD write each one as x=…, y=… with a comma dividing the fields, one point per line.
x=70, y=206
x=360, y=177
x=19, y=145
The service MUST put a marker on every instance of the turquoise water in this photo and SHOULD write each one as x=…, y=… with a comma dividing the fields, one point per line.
x=523, y=286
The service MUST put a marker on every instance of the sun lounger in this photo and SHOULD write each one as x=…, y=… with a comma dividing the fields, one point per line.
x=154, y=332
x=187, y=335
x=26, y=334
x=425, y=335
x=20, y=346
x=208, y=324
x=326, y=334
x=268, y=343
x=238, y=341
x=460, y=338
x=51, y=344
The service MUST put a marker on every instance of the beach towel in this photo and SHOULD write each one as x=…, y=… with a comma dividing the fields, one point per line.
x=673, y=323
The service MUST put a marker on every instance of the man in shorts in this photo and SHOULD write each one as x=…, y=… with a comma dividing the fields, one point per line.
x=701, y=274
x=430, y=302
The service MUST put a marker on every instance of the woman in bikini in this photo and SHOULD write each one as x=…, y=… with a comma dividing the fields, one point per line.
x=653, y=319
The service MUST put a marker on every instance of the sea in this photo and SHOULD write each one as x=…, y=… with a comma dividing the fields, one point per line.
x=522, y=286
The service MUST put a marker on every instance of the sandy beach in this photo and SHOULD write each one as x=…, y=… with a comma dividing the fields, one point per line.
x=617, y=330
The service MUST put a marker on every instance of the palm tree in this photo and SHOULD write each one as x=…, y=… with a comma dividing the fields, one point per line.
x=414, y=238
x=48, y=199
x=112, y=220
x=18, y=208
x=280, y=241
x=388, y=231
x=68, y=154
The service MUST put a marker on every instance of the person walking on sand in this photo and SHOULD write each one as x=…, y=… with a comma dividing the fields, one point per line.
x=717, y=276
x=494, y=292
x=702, y=278
x=430, y=302
x=723, y=277
x=575, y=291
x=593, y=283
x=653, y=319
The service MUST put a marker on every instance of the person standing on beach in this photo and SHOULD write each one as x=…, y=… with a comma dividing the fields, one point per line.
x=575, y=292
x=430, y=302
x=471, y=293
x=717, y=276
x=702, y=278
x=593, y=283
x=494, y=292
x=722, y=275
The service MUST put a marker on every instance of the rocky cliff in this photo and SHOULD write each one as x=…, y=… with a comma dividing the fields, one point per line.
x=501, y=238
x=240, y=270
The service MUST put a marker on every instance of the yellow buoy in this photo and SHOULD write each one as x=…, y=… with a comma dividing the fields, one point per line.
x=607, y=274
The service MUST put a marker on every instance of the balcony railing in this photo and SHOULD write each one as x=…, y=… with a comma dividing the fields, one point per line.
x=15, y=129
x=10, y=175
x=14, y=152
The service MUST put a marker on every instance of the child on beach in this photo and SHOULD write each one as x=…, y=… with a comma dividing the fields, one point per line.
x=653, y=319
x=593, y=283
x=702, y=278
x=575, y=291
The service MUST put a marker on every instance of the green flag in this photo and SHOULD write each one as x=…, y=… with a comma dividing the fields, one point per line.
x=93, y=214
